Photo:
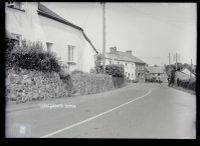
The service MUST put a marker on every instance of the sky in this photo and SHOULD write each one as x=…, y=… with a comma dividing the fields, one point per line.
x=150, y=30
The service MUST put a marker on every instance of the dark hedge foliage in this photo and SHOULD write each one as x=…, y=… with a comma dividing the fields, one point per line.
x=32, y=56
x=115, y=70
x=188, y=84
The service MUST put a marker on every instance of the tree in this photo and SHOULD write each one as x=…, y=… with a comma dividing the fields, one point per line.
x=98, y=62
x=179, y=66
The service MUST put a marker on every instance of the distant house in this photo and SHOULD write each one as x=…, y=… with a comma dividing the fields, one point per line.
x=134, y=68
x=35, y=22
x=155, y=72
x=184, y=74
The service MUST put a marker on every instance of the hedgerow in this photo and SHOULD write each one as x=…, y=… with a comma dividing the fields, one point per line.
x=32, y=56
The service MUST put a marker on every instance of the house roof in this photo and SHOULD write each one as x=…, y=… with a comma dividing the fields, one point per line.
x=43, y=10
x=187, y=71
x=124, y=56
x=153, y=69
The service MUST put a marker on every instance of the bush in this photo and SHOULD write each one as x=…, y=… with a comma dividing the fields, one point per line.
x=32, y=56
x=10, y=44
x=67, y=80
x=192, y=85
x=115, y=70
x=188, y=84
x=99, y=69
x=98, y=66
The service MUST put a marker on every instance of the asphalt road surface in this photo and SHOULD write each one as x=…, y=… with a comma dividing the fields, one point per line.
x=136, y=111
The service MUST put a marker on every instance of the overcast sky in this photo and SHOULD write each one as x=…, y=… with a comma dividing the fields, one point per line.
x=150, y=30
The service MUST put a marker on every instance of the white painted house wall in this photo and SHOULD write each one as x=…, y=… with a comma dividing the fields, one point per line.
x=130, y=69
x=35, y=27
x=62, y=35
x=25, y=23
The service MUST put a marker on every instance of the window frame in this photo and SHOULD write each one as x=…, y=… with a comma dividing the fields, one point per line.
x=13, y=6
x=71, y=50
x=49, y=50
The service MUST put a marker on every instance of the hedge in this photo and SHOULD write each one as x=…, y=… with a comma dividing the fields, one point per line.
x=26, y=85
x=188, y=84
x=115, y=70
x=32, y=56
x=87, y=83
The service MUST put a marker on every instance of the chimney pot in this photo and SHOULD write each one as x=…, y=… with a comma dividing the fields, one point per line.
x=113, y=49
x=129, y=52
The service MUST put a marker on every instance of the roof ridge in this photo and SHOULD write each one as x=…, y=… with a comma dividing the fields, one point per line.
x=43, y=10
x=126, y=56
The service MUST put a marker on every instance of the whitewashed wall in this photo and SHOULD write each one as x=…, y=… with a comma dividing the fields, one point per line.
x=35, y=27
x=25, y=23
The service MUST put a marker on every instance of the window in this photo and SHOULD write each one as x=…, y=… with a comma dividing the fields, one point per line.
x=118, y=62
x=49, y=46
x=110, y=62
x=18, y=37
x=126, y=64
x=16, y=5
x=10, y=4
x=71, y=53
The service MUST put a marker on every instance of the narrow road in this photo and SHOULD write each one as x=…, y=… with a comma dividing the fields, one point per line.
x=136, y=111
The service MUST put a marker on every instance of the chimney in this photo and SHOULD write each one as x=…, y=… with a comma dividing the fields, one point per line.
x=113, y=49
x=129, y=52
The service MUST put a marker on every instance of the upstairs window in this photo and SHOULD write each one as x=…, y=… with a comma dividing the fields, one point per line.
x=11, y=4
x=16, y=5
x=71, y=52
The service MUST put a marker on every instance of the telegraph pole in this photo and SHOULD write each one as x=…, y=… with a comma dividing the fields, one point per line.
x=176, y=61
x=191, y=69
x=169, y=58
x=104, y=33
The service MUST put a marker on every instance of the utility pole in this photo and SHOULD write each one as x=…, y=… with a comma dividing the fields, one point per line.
x=104, y=33
x=176, y=61
x=169, y=58
x=191, y=69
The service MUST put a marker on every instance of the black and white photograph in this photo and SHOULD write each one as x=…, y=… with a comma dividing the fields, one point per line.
x=117, y=70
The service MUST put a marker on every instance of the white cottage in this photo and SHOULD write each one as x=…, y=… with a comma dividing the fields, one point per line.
x=134, y=68
x=34, y=21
